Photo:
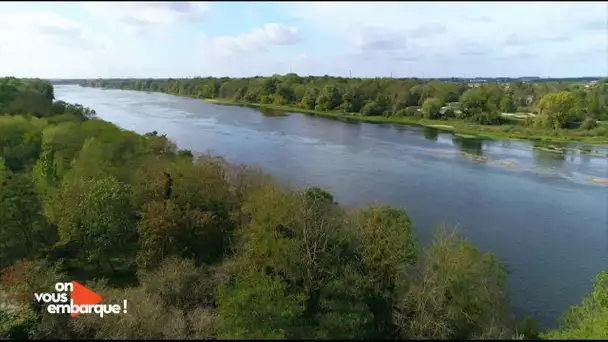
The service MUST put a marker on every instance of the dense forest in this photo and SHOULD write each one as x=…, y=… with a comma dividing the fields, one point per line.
x=567, y=107
x=203, y=249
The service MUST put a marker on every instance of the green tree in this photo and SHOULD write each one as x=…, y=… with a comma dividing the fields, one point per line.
x=180, y=284
x=26, y=316
x=456, y=293
x=23, y=230
x=388, y=248
x=257, y=307
x=20, y=141
x=588, y=320
x=147, y=318
x=589, y=124
x=329, y=98
x=18, y=325
x=506, y=104
x=301, y=238
x=473, y=102
x=157, y=230
x=309, y=100
x=372, y=108
x=557, y=110
x=205, y=202
x=100, y=218
x=431, y=108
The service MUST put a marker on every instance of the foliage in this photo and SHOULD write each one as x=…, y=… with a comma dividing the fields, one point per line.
x=589, y=124
x=431, y=108
x=100, y=218
x=557, y=110
x=25, y=96
x=375, y=97
x=203, y=249
x=456, y=292
x=588, y=320
x=180, y=284
x=23, y=230
x=388, y=249
x=257, y=307
x=20, y=325
x=146, y=319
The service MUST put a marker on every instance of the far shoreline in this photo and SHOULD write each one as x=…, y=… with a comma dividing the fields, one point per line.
x=452, y=126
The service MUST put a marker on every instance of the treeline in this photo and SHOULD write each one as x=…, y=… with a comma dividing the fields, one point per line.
x=67, y=81
x=534, y=79
x=25, y=96
x=36, y=97
x=202, y=249
x=565, y=105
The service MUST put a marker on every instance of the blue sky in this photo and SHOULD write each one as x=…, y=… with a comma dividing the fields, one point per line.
x=407, y=39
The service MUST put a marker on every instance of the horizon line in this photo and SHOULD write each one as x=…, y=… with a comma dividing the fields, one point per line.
x=321, y=76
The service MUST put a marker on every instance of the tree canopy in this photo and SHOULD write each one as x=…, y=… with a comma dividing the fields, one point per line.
x=481, y=102
x=203, y=249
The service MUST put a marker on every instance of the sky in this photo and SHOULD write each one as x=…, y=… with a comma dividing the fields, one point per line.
x=362, y=39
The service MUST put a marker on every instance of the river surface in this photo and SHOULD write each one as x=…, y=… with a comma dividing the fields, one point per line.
x=534, y=209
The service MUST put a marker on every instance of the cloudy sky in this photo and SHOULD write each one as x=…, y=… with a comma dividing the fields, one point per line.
x=185, y=39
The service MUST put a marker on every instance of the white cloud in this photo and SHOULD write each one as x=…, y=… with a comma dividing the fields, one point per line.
x=46, y=44
x=143, y=16
x=258, y=39
x=370, y=38
x=429, y=32
x=279, y=34
x=23, y=33
x=23, y=30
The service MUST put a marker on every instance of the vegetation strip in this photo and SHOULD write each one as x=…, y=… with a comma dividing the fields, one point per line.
x=545, y=111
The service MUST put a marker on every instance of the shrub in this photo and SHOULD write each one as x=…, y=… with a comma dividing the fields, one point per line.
x=589, y=124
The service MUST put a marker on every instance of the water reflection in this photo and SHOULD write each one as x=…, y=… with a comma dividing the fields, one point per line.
x=585, y=158
x=469, y=145
x=269, y=112
x=430, y=133
x=347, y=120
x=547, y=159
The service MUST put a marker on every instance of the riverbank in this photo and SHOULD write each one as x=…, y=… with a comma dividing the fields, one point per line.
x=459, y=127
x=455, y=126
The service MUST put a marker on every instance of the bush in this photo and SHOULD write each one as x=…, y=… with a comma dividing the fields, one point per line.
x=400, y=113
x=523, y=110
x=266, y=99
x=492, y=118
x=449, y=113
x=180, y=284
x=589, y=124
x=371, y=108
x=588, y=320
x=19, y=325
x=413, y=111
x=455, y=292
x=146, y=318
x=431, y=108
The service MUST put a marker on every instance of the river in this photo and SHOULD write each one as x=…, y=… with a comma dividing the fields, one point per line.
x=534, y=209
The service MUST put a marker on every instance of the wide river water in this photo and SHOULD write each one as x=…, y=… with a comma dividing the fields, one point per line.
x=535, y=210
